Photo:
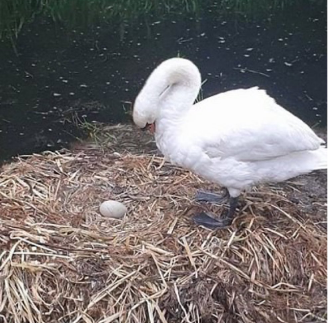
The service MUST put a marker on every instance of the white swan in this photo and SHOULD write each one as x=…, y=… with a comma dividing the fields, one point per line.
x=235, y=139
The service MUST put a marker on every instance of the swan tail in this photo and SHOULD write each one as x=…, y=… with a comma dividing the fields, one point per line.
x=319, y=158
x=295, y=164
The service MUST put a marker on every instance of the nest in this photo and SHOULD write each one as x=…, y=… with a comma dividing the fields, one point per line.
x=61, y=261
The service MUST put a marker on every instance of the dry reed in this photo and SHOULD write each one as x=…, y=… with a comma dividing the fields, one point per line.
x=61, y=261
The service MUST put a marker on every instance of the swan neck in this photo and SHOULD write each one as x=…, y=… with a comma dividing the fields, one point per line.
x=180, y=88
x=169, y=92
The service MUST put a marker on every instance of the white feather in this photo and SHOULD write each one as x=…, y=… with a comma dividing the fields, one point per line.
x=235, y=139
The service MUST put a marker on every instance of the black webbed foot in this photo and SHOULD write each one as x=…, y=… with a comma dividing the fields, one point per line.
x=209, y=222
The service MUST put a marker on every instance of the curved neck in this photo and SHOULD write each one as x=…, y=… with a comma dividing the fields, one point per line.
x=173, y=87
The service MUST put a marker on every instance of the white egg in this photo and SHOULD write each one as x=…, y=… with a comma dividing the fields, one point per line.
x=112, y=209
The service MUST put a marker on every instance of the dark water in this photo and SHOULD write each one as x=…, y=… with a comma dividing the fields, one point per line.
x=59, y=75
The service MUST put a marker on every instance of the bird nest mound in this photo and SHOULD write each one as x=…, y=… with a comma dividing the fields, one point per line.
x=61, y=261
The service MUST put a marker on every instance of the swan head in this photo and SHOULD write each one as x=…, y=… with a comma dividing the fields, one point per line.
x=172, y=86
x=144, y=112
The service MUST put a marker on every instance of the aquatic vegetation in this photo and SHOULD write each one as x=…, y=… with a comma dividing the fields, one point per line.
x=15, y=13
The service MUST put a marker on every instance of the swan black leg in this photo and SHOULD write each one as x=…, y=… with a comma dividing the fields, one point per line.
x=226, y=219
x=202, y=196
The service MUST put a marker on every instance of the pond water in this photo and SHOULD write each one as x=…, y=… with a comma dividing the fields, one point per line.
x=60, y=76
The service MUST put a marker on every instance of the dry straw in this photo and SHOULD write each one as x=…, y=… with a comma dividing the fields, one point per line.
x=61, y=261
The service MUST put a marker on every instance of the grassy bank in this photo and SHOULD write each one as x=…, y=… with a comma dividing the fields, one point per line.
x=15, y=13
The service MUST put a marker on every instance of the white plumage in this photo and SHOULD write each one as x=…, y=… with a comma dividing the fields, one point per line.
x=235, y=139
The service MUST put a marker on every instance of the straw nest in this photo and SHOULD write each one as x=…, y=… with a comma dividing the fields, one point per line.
x=61, y=261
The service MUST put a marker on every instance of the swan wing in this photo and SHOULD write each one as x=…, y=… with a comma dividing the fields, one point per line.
x=247, y=125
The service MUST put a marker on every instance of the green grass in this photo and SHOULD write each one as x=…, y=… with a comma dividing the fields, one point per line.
x=255, y=7
x=15, y=13
x=78, y=13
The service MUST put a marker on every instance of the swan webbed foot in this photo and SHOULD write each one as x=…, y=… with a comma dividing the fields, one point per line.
x=209, y=222
x=202, y=196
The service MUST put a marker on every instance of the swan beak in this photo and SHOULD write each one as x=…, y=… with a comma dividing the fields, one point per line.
x=150, y=127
